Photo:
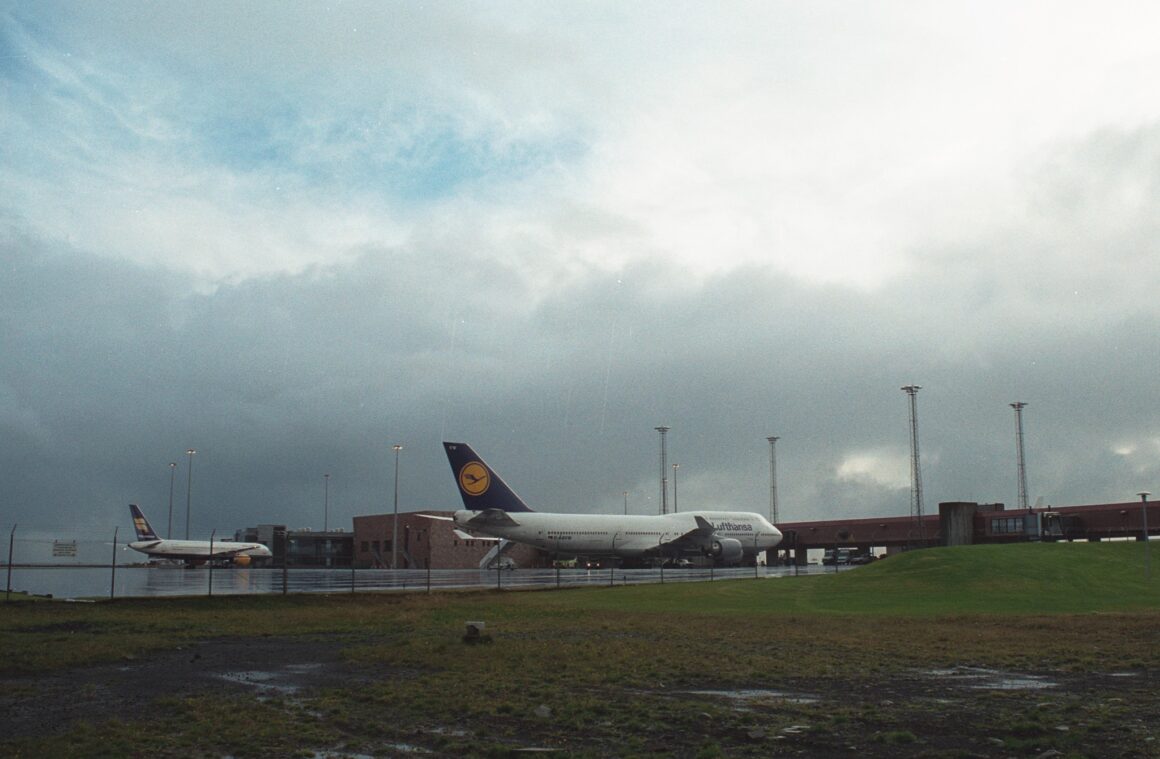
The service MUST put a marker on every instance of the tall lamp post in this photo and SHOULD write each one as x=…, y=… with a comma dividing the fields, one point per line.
x=1147, y=555
x=664, y=475
x=1021, y=463
x=172, y=472
x=188, y=490
x=773, y=478
x=675, y=468
x=395, y=526
x=915, y=467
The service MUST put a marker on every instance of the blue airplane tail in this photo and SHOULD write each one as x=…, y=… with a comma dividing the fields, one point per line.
x=141, y=524
x=479, y=486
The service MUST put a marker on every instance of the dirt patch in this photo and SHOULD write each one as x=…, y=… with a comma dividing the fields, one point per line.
x=43, y=705
x=959, y=711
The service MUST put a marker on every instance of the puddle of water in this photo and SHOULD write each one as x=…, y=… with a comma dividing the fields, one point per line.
x=991, y=679
x=406, y=748
x=753, y=694
x=272, y=679
x=453, y=732
x=259, y=679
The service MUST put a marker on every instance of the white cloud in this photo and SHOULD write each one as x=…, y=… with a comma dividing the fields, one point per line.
x=554, y=227
x=885, y=468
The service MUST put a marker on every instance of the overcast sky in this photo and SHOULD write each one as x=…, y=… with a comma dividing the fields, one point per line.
x=291, y=235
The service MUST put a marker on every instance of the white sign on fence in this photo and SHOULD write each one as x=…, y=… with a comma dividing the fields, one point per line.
x=64, y=549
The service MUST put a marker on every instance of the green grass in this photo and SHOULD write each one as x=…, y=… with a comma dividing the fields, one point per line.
x=612, y=663
x=987, y=583
x=1027, y=578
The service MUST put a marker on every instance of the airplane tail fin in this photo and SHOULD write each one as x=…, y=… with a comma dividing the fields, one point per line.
x=141, y=524
x=480, y=487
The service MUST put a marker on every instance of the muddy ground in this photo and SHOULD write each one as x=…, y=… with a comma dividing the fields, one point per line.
x=959, y=712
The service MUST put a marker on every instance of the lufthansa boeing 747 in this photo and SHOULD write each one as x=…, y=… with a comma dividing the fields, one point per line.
x=492, y=508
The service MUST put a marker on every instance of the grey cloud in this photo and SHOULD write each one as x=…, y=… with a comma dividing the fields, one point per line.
x=493, y=320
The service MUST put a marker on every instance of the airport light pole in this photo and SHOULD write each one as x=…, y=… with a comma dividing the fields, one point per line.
x=915, y=466
x=172, y=472
x=188, y=490
x=626, y=503
x=1147, y=555
x=395, y=527
x=675, y=468
x=1022, y=470
x=773, y=478
x=326, y=503
x=664, y=474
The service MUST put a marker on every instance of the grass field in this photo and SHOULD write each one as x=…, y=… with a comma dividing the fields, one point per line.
x=629, y=671
x=1044, y=578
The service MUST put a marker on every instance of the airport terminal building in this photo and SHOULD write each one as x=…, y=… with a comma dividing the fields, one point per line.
x=423, y=544
x=433, y=543
x=963, y=523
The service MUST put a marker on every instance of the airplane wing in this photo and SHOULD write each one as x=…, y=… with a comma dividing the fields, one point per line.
x=693, y=539
x=703, y=526
x=468, y=536
x=492, y=518
x=228, y=549
x=231, y=551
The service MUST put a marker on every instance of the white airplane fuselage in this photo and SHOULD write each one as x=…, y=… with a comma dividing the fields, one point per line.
x=198, y=549
x=627, y=536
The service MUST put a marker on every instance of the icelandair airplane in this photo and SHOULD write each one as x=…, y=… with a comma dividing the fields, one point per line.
x=149, y=543
x=729, y=537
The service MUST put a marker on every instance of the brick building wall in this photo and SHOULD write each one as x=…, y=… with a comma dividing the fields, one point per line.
x=428, y=543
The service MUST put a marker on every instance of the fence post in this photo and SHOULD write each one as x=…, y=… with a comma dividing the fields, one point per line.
x=113, y=565
x=211, y=537
x=11, y=539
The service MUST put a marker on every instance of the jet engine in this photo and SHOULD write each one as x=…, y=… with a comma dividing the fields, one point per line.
x=242, y=560
x=728, y=551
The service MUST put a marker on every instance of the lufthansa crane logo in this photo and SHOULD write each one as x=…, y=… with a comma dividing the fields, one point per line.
x=474, y=478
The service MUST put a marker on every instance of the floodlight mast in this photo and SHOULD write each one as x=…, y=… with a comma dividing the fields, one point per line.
x=773, y=478
x=395, y=526
x=1144, y=514
x=915, y=467
x=1022, y=464
x=664, y=474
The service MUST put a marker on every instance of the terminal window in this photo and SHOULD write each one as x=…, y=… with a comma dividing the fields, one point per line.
x=1009, y=526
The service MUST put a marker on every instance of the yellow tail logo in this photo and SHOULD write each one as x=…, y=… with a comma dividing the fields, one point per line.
x=474, y=479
